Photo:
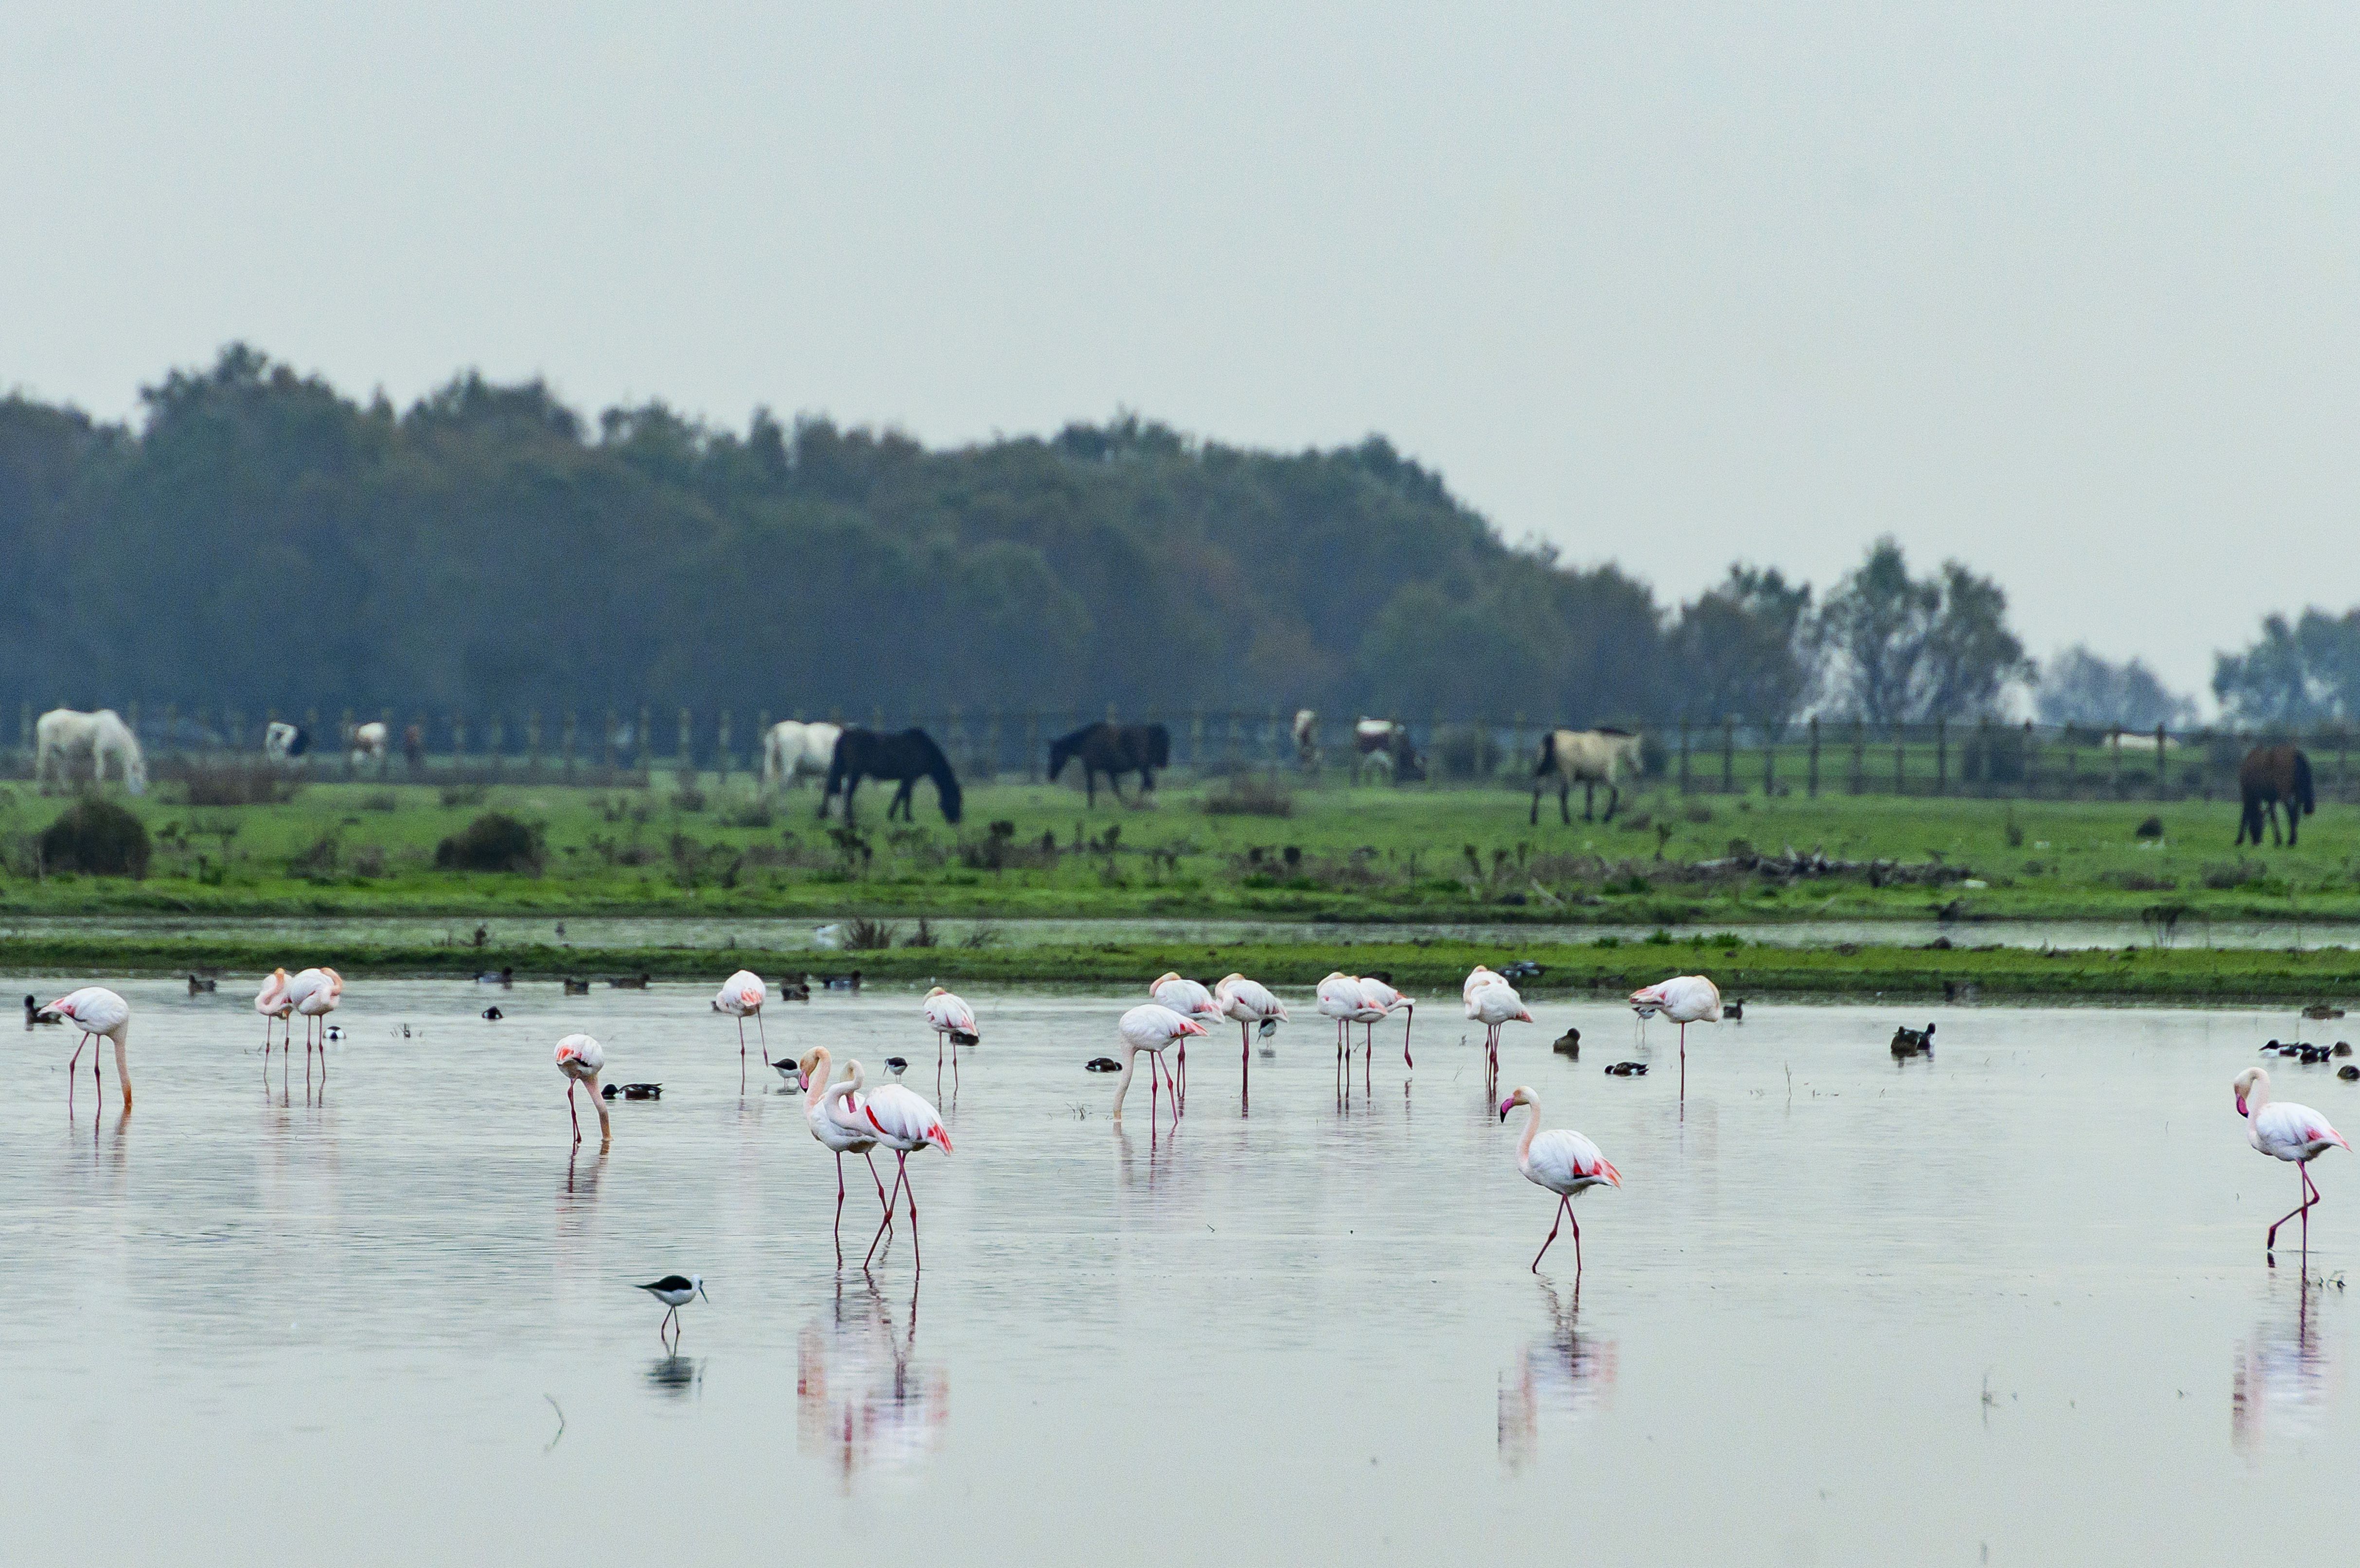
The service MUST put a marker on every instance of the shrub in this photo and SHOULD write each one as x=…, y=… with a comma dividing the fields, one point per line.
x=465, y=795
x=863, y=935
x=236, y=783
x=492, y=843
x=381, y=800
x=320, y=861
x=1250, y=794
x=98, y=837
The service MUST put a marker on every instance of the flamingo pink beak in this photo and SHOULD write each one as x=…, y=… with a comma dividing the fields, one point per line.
x=2241, y=1104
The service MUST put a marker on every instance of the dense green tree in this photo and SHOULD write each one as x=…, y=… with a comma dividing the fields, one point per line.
x=1902, y=649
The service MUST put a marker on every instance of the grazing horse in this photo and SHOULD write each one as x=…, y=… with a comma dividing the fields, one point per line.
x=1306, y=740
x=905, y=758
x=792, y=749
x=2270, y=775
x=1383, y=746
x=1113, y=749
x=1589, y=757
x=64, y=734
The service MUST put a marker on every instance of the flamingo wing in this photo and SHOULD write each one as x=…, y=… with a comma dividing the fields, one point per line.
x=1561, y=1158
x=2289, y=1130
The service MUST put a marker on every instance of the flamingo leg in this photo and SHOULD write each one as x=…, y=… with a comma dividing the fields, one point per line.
x=1684, y=1064
x=916, y=1256
x=1554, y=1223
x=871, y=1158
x=72, y=1065
x=1245, y=1063
x=2270, y=1241
x=1406, y=1022
x=938, y=1064
x=839, y=1208
x=569, y=1087
x=741, y=1053
x=884, y=1222
x=1183, y=1086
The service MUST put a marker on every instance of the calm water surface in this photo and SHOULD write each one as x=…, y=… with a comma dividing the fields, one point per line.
x=2010, y=1302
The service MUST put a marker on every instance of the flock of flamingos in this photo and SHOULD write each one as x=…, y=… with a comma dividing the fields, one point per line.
x=849, y=1117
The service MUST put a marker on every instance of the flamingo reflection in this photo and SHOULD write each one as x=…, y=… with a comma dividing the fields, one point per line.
x=861, y=1398
x=1561, y=1375
x=2284, y=1380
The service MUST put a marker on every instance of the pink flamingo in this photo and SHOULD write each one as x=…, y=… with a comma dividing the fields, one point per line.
x=949, y=1015
x=838, y=1117
x=1383, y=995
x=1566, y=1163
x=2289, y=1131
x=1477, y=977
x=1341, y=998
x=1685, y=999
x=100, y=1013
x=905, y=1123
x=1151, y=1027
x=272, y=1001
x=1494, y=1006
x=315, y=993
x=1250, y=1004
x=741, y=994
x=1190, y=1000
x=581, y=1058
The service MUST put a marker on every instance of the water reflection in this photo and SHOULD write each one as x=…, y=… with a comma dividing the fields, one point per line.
x=1561, y=1375
x=676, y=1376
x=2284, y=1382
x=862, y=1400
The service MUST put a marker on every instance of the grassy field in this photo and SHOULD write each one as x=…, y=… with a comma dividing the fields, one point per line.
x=1363, y=855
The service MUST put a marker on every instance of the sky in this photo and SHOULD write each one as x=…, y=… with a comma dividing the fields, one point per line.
x=2066, y=292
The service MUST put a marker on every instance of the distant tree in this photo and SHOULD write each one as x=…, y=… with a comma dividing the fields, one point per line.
x=2302, y=672
x=1747, y=647
x=1903, y=649
x=2077, y=687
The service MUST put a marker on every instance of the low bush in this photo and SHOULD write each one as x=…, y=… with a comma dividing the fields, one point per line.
x=236, y=782
x=1250, y=794
x=492, y=843
x=97, y=837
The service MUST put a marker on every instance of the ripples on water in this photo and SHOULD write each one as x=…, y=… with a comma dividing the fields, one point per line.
x=2003, y=1298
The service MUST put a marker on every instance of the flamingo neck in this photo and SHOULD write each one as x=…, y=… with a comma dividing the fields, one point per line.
x=1122, y=1084
x=817, y=1085
x=598, y=1103
x=1532, y=1125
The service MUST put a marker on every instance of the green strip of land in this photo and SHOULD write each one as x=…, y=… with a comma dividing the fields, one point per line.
x=1434, y=968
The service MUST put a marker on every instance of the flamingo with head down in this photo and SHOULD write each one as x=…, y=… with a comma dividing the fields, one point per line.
x=581, y=1058
x=741, y=996
x=1250, y=1004
x=1381, y=994
x=950, y=1017
x=1190, y=999
x=1150, y=1028
x=1495, y=1006
x=1685, y=999
x=315, y=993
x=101, y=1014
x=272, y=1001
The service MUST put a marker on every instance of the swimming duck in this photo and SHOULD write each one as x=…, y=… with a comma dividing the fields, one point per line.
x=1733, y=1012
x=1908, y=1042
x=1102, y=1064
x=795, y=989
x=506, y=976
x=634, y=1091
x=2348, y=1074
x=2322, y=1010
x=842, y=982
x=198, y=987
x=492, y=1014
x=625, y=982
x=576, y=987
x=35, y=1014
x=1568, y=1043
x=1627, y=1069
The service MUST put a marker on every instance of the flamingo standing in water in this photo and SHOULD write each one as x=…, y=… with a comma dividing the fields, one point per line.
x=1494, y=1006
x=2289, y=1131
x=272, y=1001
x=1250, y=1004
x=1476, y=978
x=100, y=1013
x=1190, y=1000
x=948, y=1015
x=1151, y=1027
x=1566, y=1163
x=741, y=994
x=1383, y=995
x=1685, y=999
x=905, y=1123
x=315, y=993
x=579, y=1059
x=840, y=1120
x=1341, y=999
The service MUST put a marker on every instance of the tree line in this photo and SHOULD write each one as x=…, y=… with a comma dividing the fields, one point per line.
x=257, y=537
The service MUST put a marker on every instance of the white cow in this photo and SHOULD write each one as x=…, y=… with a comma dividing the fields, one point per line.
x=1306, y=739
x=367, y=741
x=1591, y=757
x=792, y=749
x=286, y=743
x=64, y=734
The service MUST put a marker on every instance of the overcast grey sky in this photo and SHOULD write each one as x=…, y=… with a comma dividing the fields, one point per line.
x=2068, y=292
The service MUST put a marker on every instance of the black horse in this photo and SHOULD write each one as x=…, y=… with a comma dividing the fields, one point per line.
x=905, y=758
x=2268, y=776
x=1113, y=749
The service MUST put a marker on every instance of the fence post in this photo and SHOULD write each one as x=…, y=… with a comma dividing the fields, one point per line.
x=495, y=740
x=647, y=741
x=2342, y=738
x=991, y=747
x=1032, y=745
x=25, y=726
x=2116, y=738
x=533, y=743
x=1684, y=756
x=459, y=746
x=1811, y=788
x=1859, y=755
x=1769, y=763
x=2031, y=779
x=1900, y=783
x=1728, y=754
x=568, y=735
x=1942, y=756
x=722, y=746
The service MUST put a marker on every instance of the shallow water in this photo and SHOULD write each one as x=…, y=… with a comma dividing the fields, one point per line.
x=2010, y=1301
x=781, y=935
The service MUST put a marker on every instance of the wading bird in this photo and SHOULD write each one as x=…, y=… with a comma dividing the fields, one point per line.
x=1341, y=999
x=2293, y=1133
x=1382, y=995
x=1150, y=1027
x=581, y=1058
x=838, y=1116
x=1494, y=1006
x=740, y=995
x=272, y=1001
x=1566, y=1163
x=97, y=1011
x=675, y=1292
x=905, y=1123
x=950, y=1017
x=1250, y=1004
x=1190, y=1000
x=315, y=993
x=1685, y=999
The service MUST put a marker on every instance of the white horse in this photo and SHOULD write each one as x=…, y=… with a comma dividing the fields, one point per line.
x=283, y=742
x=1590, y=757
x=368, y=744
x=64, y=734
x=792, y=749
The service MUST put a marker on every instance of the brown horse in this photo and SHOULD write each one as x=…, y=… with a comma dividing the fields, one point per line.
x=2270, y=775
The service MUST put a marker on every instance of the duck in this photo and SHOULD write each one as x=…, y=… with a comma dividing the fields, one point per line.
x=35, y=1013
x=1910, y=1042
x=1568, y=1043
x=795, y=989
x=842, y=982
x=1102, y=1064
x=2322, y=1010
x=2348, y=1073
x=335, y=1031
x=200, y=987
x=1522, y=969
x=625, y=982
x=506, y=976
x=634, y=1091
x=492, y=1014
x=1627, y=1069
x=576, y=987
x=2341, y=1049
x=1733, y=1012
